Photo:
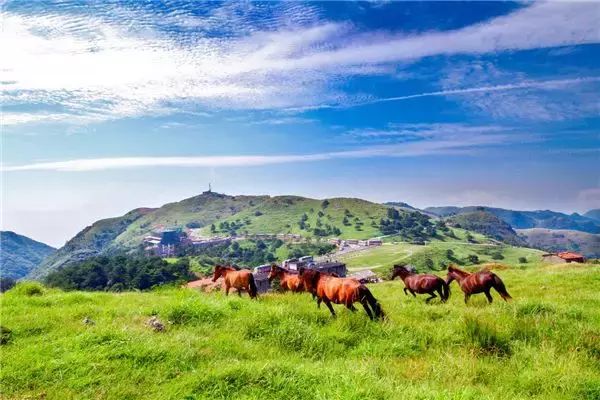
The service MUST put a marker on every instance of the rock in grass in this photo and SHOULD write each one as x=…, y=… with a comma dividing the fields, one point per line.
x=88, y=321
x=155, y=324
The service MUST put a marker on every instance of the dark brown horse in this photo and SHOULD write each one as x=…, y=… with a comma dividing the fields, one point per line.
x=287, y=280
x=422, y=283
x=477, y=282
x=242, y=279
x=332, y=289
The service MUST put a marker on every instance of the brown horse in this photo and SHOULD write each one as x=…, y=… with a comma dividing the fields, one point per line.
x=422, y=283
x=242, y=279
x=288, y=281
x=347, y=291
x=478, y=282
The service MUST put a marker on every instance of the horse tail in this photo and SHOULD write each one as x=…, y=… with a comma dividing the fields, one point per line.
x=365, y=294
x=253, y=289
x=445, y=290
x=500, y=288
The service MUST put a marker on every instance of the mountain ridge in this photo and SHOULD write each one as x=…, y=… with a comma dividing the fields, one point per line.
x=527, y=219
x=20, y=254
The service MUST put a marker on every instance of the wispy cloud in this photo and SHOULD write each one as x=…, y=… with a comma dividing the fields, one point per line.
x=521, y=98
x=422, y=140
x=99, y=62
x=284, y=121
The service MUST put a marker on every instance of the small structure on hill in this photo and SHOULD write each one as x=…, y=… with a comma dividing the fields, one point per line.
x=563, y=257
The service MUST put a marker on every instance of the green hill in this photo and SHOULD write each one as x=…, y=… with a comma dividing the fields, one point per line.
x=489, y=225
x=554, y=240
x=214, y=214
x=20, y=254
x=340, y=217
x=528, y=219
x=89, y=242
x=542, y=345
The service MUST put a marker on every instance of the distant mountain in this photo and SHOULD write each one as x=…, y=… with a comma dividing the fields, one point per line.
x=489, y=225
x=20, y=254
x=528, y=219
x=214, y=214
x=593, y=214
x=553, y=240
x=400, y=204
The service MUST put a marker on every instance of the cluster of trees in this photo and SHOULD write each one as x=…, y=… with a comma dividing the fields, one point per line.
x=118, y=273
x=414, y=226
x=305, y=249
x=320, y=229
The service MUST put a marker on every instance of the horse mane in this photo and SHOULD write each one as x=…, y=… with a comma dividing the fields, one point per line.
x=454, y=268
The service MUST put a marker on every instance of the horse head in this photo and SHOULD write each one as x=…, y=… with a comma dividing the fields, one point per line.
x=218, y=271
x=401, y=270
x=274, y=272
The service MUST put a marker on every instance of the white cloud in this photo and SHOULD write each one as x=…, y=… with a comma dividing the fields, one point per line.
x=114, y=63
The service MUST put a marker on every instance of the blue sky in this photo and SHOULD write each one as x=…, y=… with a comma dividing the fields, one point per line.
x=108, y=107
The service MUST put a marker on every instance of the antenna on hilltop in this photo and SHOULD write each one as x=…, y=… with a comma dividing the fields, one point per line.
x=209, y=188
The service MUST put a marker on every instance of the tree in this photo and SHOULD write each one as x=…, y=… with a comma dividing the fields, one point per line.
x=473, y=259
x=320, y=214
x=213, y=229
x=522, y=260
x=345, y=221
x=325, y=204
x=497, y=256
x=449, y=254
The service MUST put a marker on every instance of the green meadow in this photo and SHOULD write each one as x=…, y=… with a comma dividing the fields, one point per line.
x=545, y=344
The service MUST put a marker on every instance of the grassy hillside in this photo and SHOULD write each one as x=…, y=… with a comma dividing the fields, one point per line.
x=435, y=256
x=561, y=240
x=89, y=242
x=489, y=225
x=543, y=345
x=20, y=254
x=282, y=214
x=197, y=212
x=528, y=219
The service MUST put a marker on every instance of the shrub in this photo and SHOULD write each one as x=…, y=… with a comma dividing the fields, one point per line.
x=522, y=260
x=473, y=259
x=497, y=256
x=5, y=335
x=28, y=289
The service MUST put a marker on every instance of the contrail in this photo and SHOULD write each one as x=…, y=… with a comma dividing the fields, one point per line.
x=551, y=84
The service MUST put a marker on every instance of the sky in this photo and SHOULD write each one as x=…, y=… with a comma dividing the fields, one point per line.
x=111, y=106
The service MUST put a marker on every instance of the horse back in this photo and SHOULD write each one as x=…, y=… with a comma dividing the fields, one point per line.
x=423, y=283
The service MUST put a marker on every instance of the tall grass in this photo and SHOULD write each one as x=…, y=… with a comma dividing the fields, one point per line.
x=543, y=345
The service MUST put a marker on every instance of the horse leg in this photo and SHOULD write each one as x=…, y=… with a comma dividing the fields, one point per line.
x=227, y=287
x=433, y=296
x=489, y=296
x=239, y=292
x=328, y=304
x=467, y=298
x=365, y=305
x=440, y=293
x=412, y=292
x=350, y=306
x=319, y=300
x=405, y=291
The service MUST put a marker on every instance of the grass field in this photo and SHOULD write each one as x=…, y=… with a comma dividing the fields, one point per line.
x=543, y=345
x=381, y=259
